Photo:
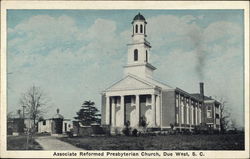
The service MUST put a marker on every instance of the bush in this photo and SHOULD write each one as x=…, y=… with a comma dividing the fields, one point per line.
x=127, y=129
x=134, y=132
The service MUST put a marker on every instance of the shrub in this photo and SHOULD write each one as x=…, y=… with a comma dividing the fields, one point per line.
x=127, y=129
x=134, y=132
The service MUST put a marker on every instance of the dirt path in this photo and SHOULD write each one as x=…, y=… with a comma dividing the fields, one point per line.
x=52, y=143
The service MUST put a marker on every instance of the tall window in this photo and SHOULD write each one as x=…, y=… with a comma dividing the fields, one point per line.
x=192, y=115
x=141, y=28
x=136, y=28
x=187, y=110
x=182, y=114
x=209, y=111
x=135, y=55
x=146, y=56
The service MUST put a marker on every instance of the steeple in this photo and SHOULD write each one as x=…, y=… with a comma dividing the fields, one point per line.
x=138, y=50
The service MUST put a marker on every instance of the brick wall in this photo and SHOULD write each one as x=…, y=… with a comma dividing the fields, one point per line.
x=168, y=108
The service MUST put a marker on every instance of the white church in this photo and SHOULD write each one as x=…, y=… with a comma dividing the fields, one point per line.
x=138, y=96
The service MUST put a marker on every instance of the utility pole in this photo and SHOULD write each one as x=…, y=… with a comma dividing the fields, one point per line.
x=27, y=132
x=23, y=111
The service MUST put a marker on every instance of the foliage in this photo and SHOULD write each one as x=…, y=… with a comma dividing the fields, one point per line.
x=126, y=131
x=225, y=115
x=35, y=102
x=143, y=122
x=88, y=114
x=134, y=132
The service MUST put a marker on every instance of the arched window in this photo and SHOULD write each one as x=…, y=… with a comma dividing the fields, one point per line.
x=146, y=55
x=135, y=55
x=141, y=28
x=136, y=28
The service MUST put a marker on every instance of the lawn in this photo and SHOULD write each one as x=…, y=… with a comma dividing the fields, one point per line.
x=19, y=143
x=168, y=142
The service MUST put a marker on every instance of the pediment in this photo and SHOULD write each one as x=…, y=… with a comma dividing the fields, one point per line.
x=129, y=83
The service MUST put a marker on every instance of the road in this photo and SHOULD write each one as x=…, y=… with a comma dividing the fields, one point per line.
x=52, y=143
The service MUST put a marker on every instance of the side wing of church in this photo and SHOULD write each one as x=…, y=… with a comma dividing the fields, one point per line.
x=138, y=97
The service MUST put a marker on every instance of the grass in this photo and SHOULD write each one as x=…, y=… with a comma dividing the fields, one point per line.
x=19, y=143
x=168, y=142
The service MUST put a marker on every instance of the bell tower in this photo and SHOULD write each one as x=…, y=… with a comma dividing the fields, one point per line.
x=138, y=51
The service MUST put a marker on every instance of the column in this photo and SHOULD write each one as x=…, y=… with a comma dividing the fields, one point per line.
x=122, y=111
x=179, y=100
x=158, y=111
x=214, y=117
x=196, y=115
x=107, y=110
x=113, y=111
x=153, y=109
x=137, y=106
x=190, y=115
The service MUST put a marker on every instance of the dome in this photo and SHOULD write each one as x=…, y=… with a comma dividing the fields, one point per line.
x=139, y=17
x=57, y=115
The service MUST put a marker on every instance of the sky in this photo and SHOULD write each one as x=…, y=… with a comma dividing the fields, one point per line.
x=73, y=55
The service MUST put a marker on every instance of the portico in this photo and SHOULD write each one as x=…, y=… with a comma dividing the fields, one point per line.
x=132, y=106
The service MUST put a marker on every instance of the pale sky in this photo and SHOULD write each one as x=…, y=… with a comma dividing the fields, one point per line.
x=73, y=55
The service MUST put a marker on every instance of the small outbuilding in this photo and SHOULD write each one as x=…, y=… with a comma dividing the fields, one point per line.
x=56, y=125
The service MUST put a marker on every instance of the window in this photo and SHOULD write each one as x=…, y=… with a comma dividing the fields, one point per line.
x=209, y=114
x=192, y=115
x=141, y=29
x=217, y=116
x=182, y=114
x=177, y=103
x=209, y=111
x=44, y=122
x=135, y=55
x=146, y=55
x=199, y=115
x=136, y=28
x=177, y=118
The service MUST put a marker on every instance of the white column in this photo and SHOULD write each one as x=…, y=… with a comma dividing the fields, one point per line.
x=200, y=114
x=107, y=110
x=153, y=109
x=122, y=111
x=179, y=100
x=214, y=117
x=158, y=111
x=113, y=111
x=137, y=107
x=187, y=113
x=196, y=117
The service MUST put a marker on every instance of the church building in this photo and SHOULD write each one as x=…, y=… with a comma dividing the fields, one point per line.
x=138, y=96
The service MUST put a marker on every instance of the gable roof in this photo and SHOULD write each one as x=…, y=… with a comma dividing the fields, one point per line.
x=131, y=82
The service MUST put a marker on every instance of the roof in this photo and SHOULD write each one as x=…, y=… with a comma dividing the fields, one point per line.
x=57, y=116
x=199, y=96
x=131, y=82
x=139, y=17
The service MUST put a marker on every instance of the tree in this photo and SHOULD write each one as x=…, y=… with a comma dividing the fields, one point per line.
x=35, y=102
x=225, y=115
x=88, y=114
